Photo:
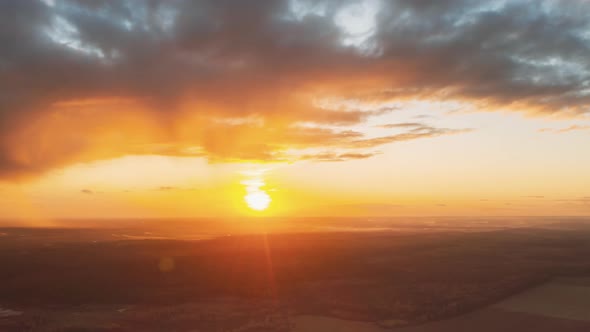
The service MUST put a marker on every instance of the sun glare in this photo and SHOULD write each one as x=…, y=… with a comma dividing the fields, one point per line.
x=256, y=197
x=258, y=201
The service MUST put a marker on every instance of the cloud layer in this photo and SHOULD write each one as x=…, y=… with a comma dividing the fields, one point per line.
x=244, y=79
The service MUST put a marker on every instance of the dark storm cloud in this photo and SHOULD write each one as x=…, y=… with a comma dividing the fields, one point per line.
x=272, y=58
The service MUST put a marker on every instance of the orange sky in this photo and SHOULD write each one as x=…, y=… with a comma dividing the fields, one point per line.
x=353, y=108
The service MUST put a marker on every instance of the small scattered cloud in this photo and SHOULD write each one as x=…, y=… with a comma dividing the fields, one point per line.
x=334, y=157
x=413, y=134
x=173, y=188
x=580, y=200
x=166, y=188
x=401, y=125
x=566, y=129
x=87, y=191
x=424, y=116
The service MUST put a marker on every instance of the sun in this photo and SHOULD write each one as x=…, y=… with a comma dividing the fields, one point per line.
x=257, y=200
x=256, y=197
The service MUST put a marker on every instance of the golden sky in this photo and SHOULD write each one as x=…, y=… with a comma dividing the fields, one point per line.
x=294, y=108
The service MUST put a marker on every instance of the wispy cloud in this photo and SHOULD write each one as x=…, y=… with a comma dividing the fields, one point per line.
x=566, y=129
x=331, y=156
x=401, y=125
x=413, y=134
x=580, y=200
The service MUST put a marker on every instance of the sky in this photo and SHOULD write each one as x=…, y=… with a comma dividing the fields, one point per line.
x=228, y=108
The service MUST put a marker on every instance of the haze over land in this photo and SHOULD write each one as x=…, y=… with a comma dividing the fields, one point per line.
x=176, y=275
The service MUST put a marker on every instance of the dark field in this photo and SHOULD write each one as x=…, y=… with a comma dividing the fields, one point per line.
x=90, y=280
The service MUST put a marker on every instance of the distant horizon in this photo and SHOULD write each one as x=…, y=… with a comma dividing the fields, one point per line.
x=267, y=221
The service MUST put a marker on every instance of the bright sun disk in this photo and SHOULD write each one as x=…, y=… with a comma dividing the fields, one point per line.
x=257, y=200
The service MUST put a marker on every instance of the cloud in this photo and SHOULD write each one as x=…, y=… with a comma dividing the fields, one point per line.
x=85, y=80
x=581, y=200
x=261, y=143
x=87, y=191
x=331, y=156
x=415, y=133
x=401, y=125
x=166, y=188
x=565, y=130
x=424, y=116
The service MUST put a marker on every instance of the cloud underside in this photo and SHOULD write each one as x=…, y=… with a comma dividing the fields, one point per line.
x=236, y=79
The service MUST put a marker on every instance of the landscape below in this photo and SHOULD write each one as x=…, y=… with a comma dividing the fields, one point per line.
x=392, y=274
